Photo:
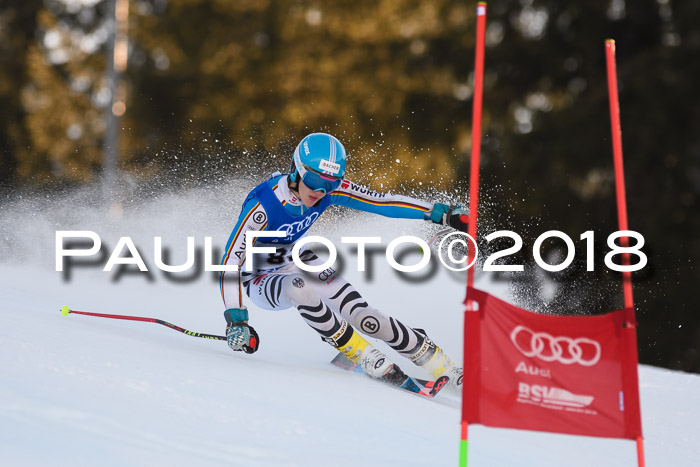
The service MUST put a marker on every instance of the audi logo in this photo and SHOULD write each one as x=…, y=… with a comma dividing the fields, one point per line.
x=560, y=349
x=298, y=226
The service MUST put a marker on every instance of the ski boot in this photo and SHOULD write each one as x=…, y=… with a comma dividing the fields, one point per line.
x=372, y=361
x=438, y=363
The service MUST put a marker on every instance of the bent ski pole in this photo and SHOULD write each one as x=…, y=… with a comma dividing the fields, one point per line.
x=66, y=311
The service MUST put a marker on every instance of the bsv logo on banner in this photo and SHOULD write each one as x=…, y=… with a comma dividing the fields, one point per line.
x=537, y=394
x=560, y=349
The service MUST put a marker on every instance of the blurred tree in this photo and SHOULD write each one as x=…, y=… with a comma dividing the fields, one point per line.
x=267, y=72
x=61, y=91
x=17, y=30
x=553, y=152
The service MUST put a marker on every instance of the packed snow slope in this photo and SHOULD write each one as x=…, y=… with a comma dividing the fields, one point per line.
x=79, y=390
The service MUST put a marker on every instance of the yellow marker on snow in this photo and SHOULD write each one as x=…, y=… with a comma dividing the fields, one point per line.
x=65, y=310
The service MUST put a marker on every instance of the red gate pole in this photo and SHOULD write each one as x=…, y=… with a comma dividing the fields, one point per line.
x=474, y=190
x=622, y=222
x=476, y=132
x=619, y=168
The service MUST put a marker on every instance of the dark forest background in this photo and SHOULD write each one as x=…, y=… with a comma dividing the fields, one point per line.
x=215, y=84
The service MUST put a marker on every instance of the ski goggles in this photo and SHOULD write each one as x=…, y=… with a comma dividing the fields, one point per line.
x=319, y=182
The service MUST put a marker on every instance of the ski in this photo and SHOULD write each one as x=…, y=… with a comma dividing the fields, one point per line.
x=416, y=386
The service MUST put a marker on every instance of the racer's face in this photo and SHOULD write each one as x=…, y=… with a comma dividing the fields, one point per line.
x=308, y=196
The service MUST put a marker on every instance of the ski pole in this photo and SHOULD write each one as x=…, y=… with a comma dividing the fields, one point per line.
x=438, y=235
x=66, y=311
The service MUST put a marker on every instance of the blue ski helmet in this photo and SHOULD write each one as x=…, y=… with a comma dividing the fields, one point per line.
x=319, y=161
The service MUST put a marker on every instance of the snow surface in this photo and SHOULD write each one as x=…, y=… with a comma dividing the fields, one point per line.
x=80, y=390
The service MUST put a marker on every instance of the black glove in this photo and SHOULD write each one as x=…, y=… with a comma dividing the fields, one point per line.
x=455, y=216
x=240, y=335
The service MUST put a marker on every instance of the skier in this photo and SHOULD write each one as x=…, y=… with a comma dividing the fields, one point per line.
x=327, y=302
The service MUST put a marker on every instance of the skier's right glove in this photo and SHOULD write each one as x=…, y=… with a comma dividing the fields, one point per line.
x=239, y=335
x=455, y=216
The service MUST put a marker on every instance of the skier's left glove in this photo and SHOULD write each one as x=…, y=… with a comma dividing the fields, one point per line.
x=239, y=335
x=455, y=216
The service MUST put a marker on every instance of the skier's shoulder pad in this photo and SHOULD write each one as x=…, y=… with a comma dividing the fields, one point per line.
x=255, y=193
x=274, y=178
